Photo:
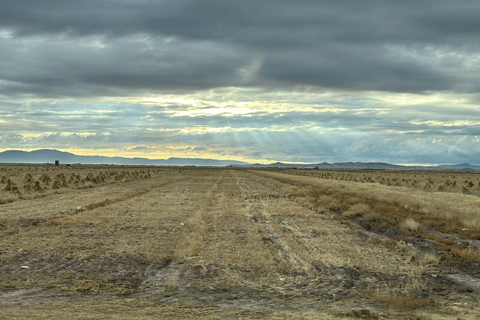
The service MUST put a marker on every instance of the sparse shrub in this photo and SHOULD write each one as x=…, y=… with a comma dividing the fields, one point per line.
x=429, y=258
x=410, y=224
x=359, y=209
x=464, y=253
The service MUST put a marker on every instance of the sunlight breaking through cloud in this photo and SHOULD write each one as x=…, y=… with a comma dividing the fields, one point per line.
x=283, y=81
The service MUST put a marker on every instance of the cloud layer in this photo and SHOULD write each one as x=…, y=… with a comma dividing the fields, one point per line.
x=277, y=80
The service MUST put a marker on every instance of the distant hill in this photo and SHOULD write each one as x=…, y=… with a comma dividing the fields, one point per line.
x=49, y=156
x=460, y=166
x=365, y=166
x=346, y=165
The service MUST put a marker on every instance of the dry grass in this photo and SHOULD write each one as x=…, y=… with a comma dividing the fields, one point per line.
x=449, y=205
x=429, y=259
x=359, y=209
x=114, y=309
x=465, y=253
x=356, y=313
x=30, y=182
x=203, y=242
x=411, y=210
x=403, y=303
x=410, y=225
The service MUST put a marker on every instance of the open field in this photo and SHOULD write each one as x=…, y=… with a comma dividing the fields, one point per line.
x=106, y=242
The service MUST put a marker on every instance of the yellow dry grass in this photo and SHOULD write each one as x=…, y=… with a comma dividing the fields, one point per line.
x=212, y=243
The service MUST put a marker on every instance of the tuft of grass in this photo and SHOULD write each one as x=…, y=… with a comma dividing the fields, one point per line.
x=359, y=209
x=403, y=303
x=410, y=224
x=468, y=254
x=429, y=258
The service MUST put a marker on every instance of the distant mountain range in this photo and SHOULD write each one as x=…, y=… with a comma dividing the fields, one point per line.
x=49, y=156
x=461, y=166
x=369, y=166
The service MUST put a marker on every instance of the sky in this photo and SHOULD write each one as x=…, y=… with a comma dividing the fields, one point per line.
x=258, y=81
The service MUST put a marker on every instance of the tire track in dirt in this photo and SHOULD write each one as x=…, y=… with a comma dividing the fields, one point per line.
x=190, y=242
x=298, y=235
x=211, y=193
x=256, y=204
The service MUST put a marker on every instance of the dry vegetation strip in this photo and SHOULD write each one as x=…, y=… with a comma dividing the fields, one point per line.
x=407, y=208
x=212, y=243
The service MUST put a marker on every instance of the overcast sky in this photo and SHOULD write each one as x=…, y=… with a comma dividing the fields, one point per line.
x=292, y=81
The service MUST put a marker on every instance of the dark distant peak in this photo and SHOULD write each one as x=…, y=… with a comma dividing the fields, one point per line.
x=50, y=151
x=457, y=165
x=45, y=150
x=13, y=151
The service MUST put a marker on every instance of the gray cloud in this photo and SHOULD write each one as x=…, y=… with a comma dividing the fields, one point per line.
x=338, y=71
x=316, y=134
x=92, y=48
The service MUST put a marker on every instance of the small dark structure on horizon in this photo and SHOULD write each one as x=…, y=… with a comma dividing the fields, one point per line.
x=57, y=163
